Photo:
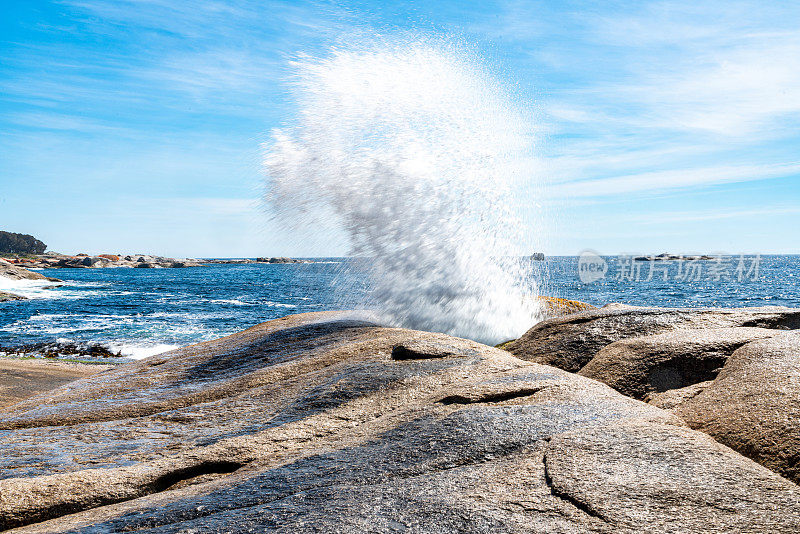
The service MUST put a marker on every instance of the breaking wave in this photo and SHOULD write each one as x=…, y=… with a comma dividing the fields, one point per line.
x=415, y=150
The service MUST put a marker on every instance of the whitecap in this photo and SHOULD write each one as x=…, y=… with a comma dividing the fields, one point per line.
x=138, y=351
x=236, y=302
x=278, y=304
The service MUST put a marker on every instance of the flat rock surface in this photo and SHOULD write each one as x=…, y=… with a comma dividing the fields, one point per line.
x=309, y=424
x=20, y=379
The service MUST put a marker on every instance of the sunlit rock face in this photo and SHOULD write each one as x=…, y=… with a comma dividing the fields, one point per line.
x=733, y=373
x=325, y=422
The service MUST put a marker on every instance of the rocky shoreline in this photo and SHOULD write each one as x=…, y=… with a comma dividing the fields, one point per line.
x=84, y=261
x=18, y=268
x=326, y=422
x=142, y=261
x=18, y=273
x=60, y=350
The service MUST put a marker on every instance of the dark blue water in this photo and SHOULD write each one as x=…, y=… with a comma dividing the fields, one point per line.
x=145, y=311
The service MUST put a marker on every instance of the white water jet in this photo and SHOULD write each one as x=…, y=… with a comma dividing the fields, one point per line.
x=416, y=151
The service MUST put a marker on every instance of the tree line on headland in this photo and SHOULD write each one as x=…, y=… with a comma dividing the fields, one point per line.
x=11, y=243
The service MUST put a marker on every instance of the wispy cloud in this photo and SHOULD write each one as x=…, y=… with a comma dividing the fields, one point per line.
x=668, y=95
x=716, y=215
x=672, y=179
x=634, y=101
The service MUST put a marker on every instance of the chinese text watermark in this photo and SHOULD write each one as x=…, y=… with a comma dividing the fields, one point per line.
x=629, y=268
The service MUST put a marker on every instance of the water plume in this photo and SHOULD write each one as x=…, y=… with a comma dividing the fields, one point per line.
x=415, y=150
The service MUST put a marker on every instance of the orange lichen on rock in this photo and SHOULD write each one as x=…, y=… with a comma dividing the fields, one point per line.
x=556, y=307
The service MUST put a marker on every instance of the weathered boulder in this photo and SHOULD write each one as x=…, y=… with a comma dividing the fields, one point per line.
x=753, y=405
x=672, y=360
x=557, y=307
x=95, y=261
x=324, y=423
x=569, y=342
x=731, y=373
x=671, y=398
x=73, y=263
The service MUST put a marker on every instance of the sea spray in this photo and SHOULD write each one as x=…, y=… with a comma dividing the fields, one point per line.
x=414, y=150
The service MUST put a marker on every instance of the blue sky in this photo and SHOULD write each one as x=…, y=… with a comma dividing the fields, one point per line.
x=661, y=126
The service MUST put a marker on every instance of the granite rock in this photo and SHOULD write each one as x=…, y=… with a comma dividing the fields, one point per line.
x=326, y=423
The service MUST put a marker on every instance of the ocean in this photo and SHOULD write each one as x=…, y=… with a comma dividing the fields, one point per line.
x=140, y=312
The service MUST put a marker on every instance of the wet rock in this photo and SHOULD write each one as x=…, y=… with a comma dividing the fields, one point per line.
x=57, y=349
x=570, y=342
x=309, y=424
x=4, y=296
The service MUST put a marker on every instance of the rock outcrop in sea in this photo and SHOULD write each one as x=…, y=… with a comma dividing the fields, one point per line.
x=5, y=296
x=17, y=272
x=326, y=423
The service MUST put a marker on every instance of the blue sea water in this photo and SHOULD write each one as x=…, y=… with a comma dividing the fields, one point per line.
x=145, y=311
x=714, y=283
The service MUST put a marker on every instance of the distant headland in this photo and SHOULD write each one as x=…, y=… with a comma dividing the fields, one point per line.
x=26, y=251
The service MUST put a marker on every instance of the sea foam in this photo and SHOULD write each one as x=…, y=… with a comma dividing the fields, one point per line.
x=415, y=151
